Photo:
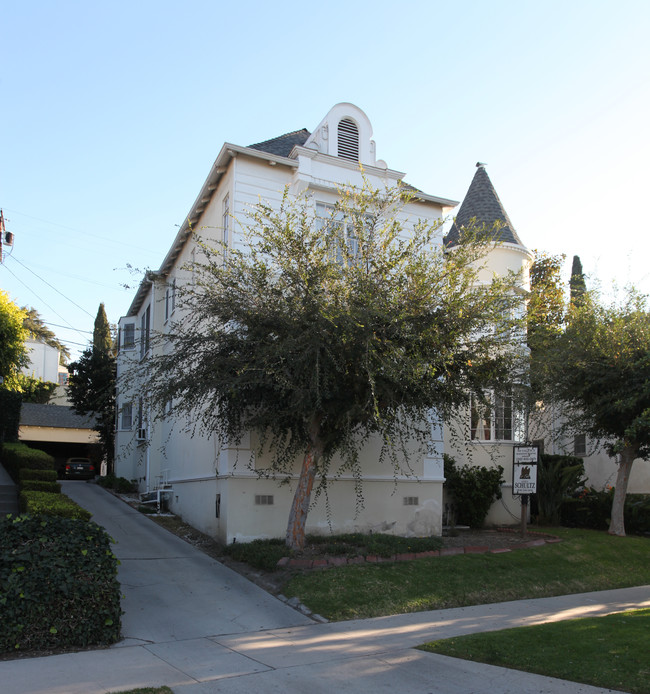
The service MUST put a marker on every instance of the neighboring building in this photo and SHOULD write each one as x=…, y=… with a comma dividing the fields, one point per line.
x=211, y=487
x=600, y=468
x=45, y=365
x=43, y=361
x=57, y=430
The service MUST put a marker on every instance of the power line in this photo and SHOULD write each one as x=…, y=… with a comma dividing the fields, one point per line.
x=79, y=231
x=55, y=289
x=69, y=275
x=65, y=327
x=40, y=299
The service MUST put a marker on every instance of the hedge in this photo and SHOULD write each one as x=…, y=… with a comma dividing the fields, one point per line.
x=18, y=456
x=40, y=475
x=593, y=509
x=48, y=504
x=40, y=486
x=58, y=585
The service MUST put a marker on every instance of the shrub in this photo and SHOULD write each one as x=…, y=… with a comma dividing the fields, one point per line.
x=637, y=514
x=42, y=475
x=10, y=404
x=592, y=509
x=558, y=476
x=378, y=544
x=118, y=484
x=40, y=486
x=47, y=504
x=473, y=490
x=18, y=456
x=262, y=554
x=107, y=481
x=58, y=585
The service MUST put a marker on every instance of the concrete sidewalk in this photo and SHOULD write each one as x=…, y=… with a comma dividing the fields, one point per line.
x=357, y=656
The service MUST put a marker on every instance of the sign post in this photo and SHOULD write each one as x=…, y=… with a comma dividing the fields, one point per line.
x=524, y=477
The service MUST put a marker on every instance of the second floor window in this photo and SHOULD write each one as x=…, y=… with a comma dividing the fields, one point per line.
x=226, y=225
x=329, y=220
x=500, y=419
x=128, y=336
x=170, y=298
x=145, y=328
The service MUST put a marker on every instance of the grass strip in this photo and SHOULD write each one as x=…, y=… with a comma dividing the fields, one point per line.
x=586, y=560
x=609, y=652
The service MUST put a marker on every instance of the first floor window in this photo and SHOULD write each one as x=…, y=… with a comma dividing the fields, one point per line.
x=580, y=445
x=127, y=416
x=496, y=418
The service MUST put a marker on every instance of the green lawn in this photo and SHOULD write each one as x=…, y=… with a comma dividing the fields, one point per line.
x=609, y=652
x=586, y=560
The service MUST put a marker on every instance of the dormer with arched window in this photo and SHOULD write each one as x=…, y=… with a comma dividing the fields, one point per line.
x=345, y=132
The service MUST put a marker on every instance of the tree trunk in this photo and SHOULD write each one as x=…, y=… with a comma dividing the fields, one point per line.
x=300, y=505
x=617, y=523
x=295, y=538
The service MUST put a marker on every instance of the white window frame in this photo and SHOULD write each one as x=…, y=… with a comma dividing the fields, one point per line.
x=225, y=223
x=145, y=332
x=170, y=298
x=128, y=329
x=328, y=218
x=498, y=422
x=126, y=416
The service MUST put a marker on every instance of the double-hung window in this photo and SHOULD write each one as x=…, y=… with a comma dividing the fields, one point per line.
x=145, y=328
x=128, y=336
x=226, y=226
x=170, y=298
x=333, y=222
x=127, y=416
x=498, y=419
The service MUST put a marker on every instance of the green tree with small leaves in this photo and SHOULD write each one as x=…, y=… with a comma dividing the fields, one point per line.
x=91, y=386
x=598, y=369
x=320, y=333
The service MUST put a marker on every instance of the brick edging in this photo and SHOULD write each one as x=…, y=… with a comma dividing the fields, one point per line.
x=329, y=562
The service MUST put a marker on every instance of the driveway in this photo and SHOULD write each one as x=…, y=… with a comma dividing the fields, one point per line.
x=171, y=590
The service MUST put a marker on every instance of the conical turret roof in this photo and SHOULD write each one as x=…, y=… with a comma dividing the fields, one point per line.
x=482, y=203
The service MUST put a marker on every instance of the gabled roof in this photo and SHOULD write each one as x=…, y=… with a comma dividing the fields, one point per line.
x=282, y=146
x=57, y=416
x=482, y=203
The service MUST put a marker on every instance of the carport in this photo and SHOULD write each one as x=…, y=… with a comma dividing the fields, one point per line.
x=57, y=430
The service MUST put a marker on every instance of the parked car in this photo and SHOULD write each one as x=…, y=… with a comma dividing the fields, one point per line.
x=79, y=469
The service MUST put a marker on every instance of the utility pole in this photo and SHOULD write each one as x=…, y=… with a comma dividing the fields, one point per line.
x=2, y=233
x=6, y=237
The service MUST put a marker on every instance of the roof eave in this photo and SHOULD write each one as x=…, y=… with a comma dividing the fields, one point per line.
x=227, y=153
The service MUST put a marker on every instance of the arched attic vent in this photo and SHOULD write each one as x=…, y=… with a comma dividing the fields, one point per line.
x=348, y=140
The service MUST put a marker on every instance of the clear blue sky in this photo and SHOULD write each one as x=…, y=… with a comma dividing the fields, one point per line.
x=111, y=115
